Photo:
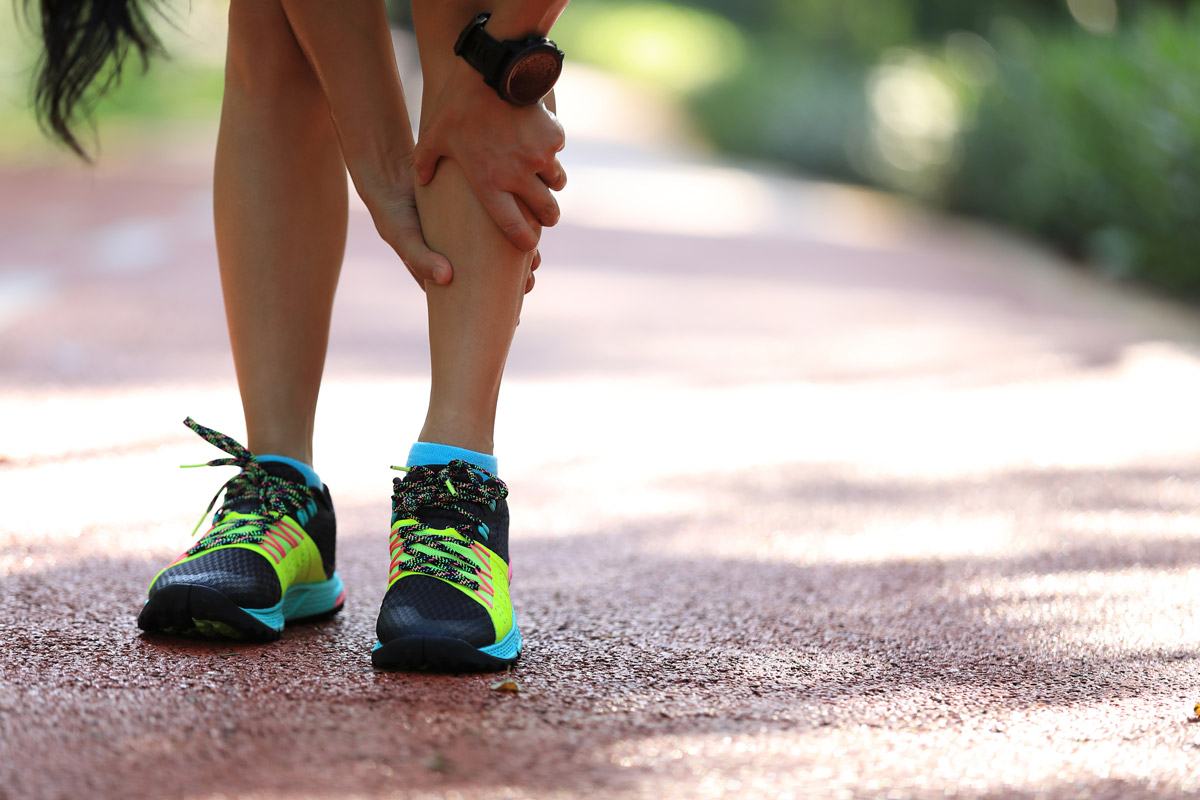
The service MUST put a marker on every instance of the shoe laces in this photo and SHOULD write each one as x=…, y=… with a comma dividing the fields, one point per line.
x=270, y=496
x=457, y=490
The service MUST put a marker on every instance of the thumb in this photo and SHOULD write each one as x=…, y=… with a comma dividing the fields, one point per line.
x=425, y=161
x=431, y=267
x=424, y=264
x=399, y=226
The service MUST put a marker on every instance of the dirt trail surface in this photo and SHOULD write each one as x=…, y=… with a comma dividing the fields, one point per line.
x=813, y=496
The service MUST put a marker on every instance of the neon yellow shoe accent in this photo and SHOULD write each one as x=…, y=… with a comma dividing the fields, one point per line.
x=470, y=567
x=285, y=545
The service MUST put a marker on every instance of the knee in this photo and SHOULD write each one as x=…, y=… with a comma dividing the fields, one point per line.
x=264, y=60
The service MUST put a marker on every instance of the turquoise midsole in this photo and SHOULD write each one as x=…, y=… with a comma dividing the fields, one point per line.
x=508, y=647
x=299, y=601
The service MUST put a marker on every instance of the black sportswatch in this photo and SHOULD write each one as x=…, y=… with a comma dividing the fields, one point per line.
x=521, y=71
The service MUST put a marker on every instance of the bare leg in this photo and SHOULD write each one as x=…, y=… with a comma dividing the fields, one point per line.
x=471, y=320
x=280, y=206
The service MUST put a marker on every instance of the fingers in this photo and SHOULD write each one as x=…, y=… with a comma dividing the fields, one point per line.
x=533, y=265
x=555, y=177
x=543, y=205
x=503, y=209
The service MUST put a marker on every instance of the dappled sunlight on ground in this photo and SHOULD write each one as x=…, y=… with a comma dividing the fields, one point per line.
x=811, y=493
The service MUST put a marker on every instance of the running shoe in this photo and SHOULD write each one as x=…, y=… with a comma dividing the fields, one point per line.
x=447, y=606
x=267, y=560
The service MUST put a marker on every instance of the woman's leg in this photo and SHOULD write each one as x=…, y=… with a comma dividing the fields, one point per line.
x=471, y=320
x=455, y=611
x=280, y=207
x=447, y=603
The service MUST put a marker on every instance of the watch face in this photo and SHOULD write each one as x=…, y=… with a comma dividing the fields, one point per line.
x=533, y=75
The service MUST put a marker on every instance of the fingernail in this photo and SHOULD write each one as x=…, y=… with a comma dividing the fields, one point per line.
x=441, y=274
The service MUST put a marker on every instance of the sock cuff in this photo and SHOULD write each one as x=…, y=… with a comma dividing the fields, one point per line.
x=310, y=475
x=426, y=453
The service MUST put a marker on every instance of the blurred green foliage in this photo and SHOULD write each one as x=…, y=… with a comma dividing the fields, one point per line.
x=1094, y=143
x=1076, y=120
x=678, y=48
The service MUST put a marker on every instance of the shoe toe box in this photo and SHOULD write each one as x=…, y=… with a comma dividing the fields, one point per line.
x=243, y=576
x=421, y=605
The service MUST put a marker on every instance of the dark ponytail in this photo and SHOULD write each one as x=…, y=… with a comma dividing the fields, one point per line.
x=85, y=40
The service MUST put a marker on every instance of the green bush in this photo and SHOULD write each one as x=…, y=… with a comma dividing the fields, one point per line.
x=1094, y=143
x=1091, y=141
x=806, y=110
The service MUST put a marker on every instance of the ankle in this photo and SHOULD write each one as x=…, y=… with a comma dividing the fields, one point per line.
x=277, y=443
x=301, y=454
x=479, y=441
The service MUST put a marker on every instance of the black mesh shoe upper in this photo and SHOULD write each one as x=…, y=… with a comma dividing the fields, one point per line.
x=423, y=605
x=419, y=605
x=242, y=575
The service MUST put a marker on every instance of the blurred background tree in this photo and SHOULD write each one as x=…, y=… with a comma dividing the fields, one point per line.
x=1075, y=120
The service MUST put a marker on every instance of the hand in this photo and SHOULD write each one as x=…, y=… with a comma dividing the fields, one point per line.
x=506, y=152
x=393, y=208
x=537, y=262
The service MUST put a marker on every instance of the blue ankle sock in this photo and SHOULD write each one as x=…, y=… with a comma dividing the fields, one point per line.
x=310, y=475
x=426, y=453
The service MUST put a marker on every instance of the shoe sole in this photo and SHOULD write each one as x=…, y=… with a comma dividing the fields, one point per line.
x=196, y=610
x=446, y=654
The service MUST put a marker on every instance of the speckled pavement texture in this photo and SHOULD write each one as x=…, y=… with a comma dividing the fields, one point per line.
x=813, y=496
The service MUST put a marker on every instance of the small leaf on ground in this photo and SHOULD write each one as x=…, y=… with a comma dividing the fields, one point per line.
x=506, y=685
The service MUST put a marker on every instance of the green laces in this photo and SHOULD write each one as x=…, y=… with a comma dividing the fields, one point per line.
x=458, y=490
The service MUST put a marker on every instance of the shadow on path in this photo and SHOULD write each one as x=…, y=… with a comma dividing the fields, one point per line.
x=635, y=632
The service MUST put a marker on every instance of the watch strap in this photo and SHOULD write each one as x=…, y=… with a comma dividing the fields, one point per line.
x=495, y=60
x=481, y=50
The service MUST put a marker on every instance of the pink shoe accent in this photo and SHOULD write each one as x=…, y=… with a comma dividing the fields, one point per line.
x=279, y=539
x=289, y=533
x=271, y=546
x=483, y=555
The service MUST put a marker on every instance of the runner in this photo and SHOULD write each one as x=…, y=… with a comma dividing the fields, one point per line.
x=311, y=91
